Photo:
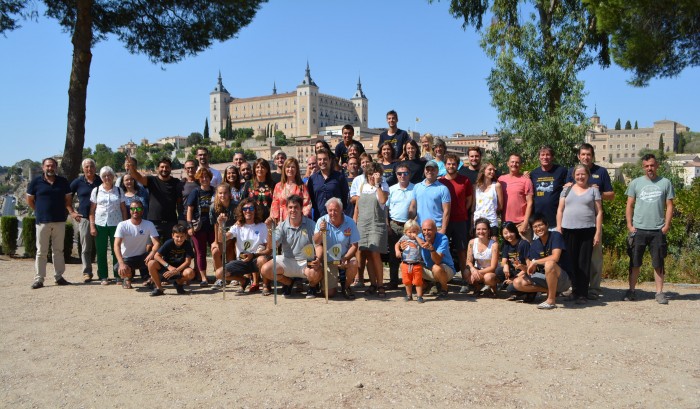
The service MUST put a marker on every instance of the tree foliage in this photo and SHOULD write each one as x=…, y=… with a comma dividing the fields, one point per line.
x=205, y=134
x=618, y=125
x=195, y=138
x=652, y=39
x=165, y=30
x=628, y=124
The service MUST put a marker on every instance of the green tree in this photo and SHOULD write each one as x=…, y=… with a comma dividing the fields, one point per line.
x=618, y=125
x=635, y=125
x=681, y=142
x=103, y=156
x=280, y=139
x=166, y=31
x=205, y=134
x=652, y=39
x=119, y=158
x=194, y=139
x=628, y=125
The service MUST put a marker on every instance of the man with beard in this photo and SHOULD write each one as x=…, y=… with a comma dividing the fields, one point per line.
x=246, y=172
x=326, y=183
x=471, y=171
x=82, y=188
x=165, y=195
x=50, y=197
x=203, y=157
x=132, y=239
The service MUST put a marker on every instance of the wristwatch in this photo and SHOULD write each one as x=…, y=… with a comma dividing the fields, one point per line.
x=166, y=265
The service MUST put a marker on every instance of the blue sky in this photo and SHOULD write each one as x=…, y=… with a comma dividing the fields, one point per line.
x=412, y=56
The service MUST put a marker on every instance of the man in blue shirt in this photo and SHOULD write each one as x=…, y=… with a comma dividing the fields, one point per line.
x=50, y=197
x=342, y=243
x=326, y=183
x=548, y=181
x=432, y=199
x=547, y=264
x=82, y=188
x=399, y=204
x=435, y=251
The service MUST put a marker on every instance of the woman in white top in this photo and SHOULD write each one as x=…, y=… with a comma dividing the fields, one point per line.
x=488, y=197
x=482, y=259
x=107, y=209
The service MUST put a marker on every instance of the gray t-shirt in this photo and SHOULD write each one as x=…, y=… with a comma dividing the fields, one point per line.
x=650, y=201
x=579, y=212
x=296, y=241
x=410, y=254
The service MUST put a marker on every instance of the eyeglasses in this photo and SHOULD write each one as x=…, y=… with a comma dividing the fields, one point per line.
x=248, y=209
x=136, y=209
x=401, y=173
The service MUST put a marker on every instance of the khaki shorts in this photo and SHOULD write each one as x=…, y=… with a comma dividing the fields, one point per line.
x=428, y=273
x=292, y=268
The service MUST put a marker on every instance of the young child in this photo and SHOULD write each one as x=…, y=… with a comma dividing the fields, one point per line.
x=411, y=264
x=172, y=262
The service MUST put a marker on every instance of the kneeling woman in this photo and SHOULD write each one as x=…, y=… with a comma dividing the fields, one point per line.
x=482, y=259
x=251, y=236
x=513, y=257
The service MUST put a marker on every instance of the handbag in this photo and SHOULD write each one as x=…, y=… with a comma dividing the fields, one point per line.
x=197, y=224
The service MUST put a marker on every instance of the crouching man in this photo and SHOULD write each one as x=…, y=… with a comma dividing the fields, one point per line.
x=130, y=241
x=435, y=251
x=342, y=243
x=547, y=264
x=172, y=262
x=299, y=258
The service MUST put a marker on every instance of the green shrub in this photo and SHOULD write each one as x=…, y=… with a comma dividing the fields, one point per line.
x=8, y=232
x=29, y=236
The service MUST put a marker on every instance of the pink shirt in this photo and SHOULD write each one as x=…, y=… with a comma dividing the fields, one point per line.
x=515, y=191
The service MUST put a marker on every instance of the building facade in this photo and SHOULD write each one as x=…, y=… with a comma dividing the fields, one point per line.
x=303, y=112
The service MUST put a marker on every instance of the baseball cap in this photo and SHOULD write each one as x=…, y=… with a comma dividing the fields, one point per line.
x=431, y=164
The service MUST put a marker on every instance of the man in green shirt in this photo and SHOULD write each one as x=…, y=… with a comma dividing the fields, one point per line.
x=648, y=223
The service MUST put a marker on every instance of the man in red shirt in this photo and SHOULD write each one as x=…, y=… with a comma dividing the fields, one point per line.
x=461, y=192
x=517, y=195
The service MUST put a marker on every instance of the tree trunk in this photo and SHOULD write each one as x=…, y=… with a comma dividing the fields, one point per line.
x=77, y=90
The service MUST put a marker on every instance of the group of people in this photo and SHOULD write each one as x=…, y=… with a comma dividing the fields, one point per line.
x=414, y=206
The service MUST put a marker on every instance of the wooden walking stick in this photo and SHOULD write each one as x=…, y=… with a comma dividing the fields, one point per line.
x=274, y=262
x=325, y=262
x=223, y=258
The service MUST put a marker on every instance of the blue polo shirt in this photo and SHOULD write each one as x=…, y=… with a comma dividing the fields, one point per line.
x=49, y=199
x=82, y=189
x=599, y=177
x=399, y=201
x=442, y=246
x=429, y=200
x=321, y=189
x=345, y=235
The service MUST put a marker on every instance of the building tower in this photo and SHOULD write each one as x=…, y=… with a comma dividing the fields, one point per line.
x=218, y=109
x=307, y=105
x=359, y=101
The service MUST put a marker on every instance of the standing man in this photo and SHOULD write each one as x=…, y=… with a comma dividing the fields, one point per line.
x=278, y=158
x=341, y=149
x=164, y=195
x=517, y=196
x=326, y=183
x=548, y=181
x=203, y=157
x=238, y=159
x=431, y=199
x=599, y=179
x=460, y=205
x=471, y=171
x=82, y=188
x=648, y=224
x=311, y=168
x=394, y=135
x=246, y=172
x=351, y=172
x=50, y=197
x=189, y=183
x=399, y=204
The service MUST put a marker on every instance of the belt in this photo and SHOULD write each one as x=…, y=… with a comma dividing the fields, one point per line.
x=398, y=223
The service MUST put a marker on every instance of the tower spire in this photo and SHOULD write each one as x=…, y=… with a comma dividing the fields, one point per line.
x=307, y=76
x=358, y=92
x=274, y=88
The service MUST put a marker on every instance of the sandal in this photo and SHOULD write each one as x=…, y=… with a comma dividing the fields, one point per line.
x=381, y=292
x=127, y=285
x=371, y=289
x=266, y=291
x=87, y=278
x=104, y=281
x=254, y=288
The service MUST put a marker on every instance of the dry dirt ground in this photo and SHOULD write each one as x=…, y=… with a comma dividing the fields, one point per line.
x=102, y=347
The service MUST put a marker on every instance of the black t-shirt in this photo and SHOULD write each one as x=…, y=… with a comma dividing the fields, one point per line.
x=187, y=188
x=416, y=169
x=341, y=151
x=201, y=200
x=521, y=251
x=163, y=198
x=555, y=240
x=548, y=186
x=473, y=174
x=397, y=140
x=276, y=178
x=175, y=255
x=389, y=173
x=230, y=213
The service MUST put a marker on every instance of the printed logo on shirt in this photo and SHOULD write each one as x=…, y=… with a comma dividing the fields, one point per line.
x=650, y=194
x=141, y=232
x=347, y=232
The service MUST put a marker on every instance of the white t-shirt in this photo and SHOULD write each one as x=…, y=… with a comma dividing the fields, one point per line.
x=134, y=237
x=108, y=211
x=251, y=238
x=360, y=183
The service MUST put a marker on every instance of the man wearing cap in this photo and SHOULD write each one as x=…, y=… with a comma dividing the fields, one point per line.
x=432, y=199
x=278, y=158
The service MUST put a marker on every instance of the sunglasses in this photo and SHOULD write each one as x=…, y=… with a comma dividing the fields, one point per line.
x=136, y=209
x=401, y=173
x=248, y=209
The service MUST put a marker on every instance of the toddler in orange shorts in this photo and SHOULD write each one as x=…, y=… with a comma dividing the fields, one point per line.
x=408, y=251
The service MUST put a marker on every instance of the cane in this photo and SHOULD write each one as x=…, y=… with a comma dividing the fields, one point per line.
x=223, y=258
x=325, y=262
x=274, y=262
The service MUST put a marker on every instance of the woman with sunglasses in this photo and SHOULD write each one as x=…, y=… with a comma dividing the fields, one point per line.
x=199, y=225
x=261, y=186
x=251, y=236
x=488, y=197
x=223, y=205
x=482, y=259
x=233, y=179
x=290, y=184
x=513, y=257
x=416, y=164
